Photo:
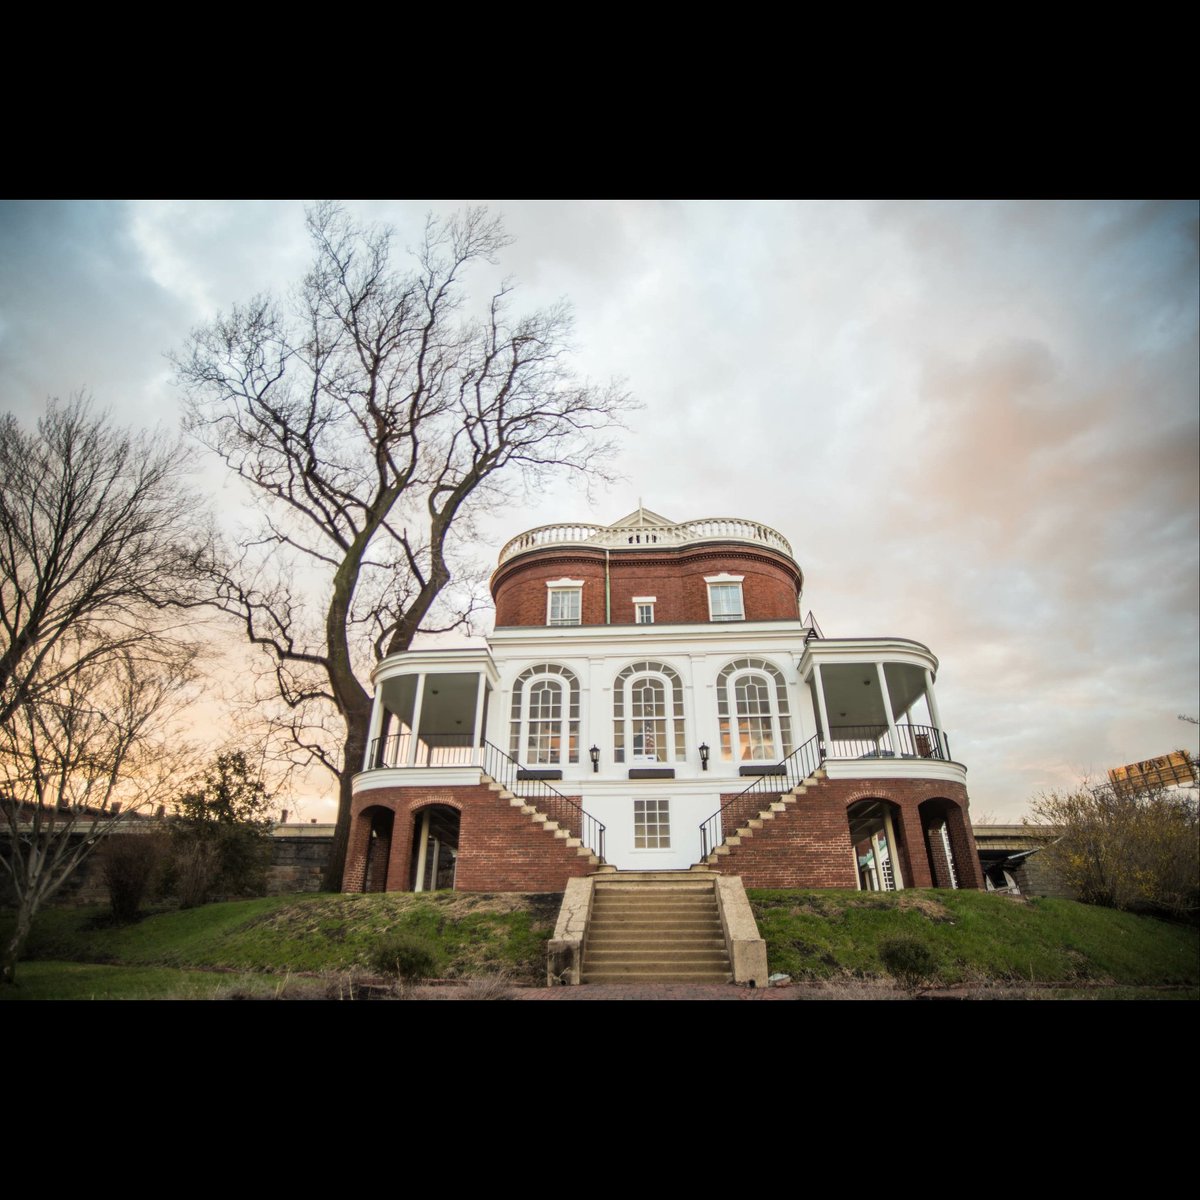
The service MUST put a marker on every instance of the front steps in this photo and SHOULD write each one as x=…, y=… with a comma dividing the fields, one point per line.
x=747, y=827
x=539, y=818
x=655, y=927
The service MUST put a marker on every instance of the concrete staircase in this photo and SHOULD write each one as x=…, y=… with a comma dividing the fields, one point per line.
x=748, y=824
x=538, y=818
x=655, y=927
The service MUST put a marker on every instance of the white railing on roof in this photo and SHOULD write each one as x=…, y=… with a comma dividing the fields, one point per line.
x=707, y=529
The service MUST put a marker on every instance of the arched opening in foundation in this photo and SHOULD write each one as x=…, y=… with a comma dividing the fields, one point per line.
x=945, y=834
x=876, y=832
x=434, y=848
x=379, y=847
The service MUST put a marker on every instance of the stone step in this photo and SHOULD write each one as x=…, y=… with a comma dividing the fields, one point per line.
x=674, y=887
x=683, y=875
x=639, y=955
x=654, y=947
x=652, y=929
x=658, y=926
x=656, y=975
x=653, y=921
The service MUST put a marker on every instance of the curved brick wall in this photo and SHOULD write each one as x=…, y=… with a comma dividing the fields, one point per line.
x=674, y=576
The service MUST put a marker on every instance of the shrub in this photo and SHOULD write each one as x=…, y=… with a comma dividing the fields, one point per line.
x=908, y=959
x=405, y=956
x=131, y=865
x=1134, y=849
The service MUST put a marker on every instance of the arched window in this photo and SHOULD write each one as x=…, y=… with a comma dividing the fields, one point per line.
x=752, y=704
x=544, y=726
x=648, y=715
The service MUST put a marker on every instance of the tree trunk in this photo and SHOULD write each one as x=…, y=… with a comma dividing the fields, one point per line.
x=352, y=758
x=16, y=943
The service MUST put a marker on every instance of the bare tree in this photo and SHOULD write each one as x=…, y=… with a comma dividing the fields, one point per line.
x=94, y=747
x=373, y=419
x=98, y=542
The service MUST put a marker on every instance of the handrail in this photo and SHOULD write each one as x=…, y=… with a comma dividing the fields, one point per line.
x=794, y=769
x=875, y=741
x=506, y=771
x=440, y=750
x=640, y=536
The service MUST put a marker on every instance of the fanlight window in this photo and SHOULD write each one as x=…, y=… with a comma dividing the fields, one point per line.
x=648, y=715
x=544, y=727
x=752, y=707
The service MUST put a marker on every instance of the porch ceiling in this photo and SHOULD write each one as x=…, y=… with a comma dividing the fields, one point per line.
x=852, y=694
x=448, y=706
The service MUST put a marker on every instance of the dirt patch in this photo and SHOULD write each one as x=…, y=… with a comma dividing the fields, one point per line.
x=932, y=909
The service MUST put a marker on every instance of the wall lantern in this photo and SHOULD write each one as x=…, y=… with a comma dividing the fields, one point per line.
x=703, y=756
x=594, y=752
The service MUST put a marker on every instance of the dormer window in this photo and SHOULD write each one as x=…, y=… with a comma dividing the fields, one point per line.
x=725, y=597
x=564, y=602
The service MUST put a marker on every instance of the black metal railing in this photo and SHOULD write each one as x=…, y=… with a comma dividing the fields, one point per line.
x=507, y=772
x=433, y=750
x=750, y=801
x=875, y=741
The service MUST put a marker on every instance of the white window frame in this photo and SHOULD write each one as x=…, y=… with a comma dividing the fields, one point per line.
x=672, y=746
x=726, y=582
x=568, y=724
x=658, y=819
x=564, y=587
x=730, y=719
x=641, y=603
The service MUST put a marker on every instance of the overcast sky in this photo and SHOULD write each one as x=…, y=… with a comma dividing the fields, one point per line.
x=975, y=422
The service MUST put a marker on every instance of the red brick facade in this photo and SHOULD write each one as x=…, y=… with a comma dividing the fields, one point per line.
x=808, y=845
x=500, y=848
x=675, y=577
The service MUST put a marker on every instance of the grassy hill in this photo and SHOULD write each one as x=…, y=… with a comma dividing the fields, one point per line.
x=811, y=935
x=973, y=937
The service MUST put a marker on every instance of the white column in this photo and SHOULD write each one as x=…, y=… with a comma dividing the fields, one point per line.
x=414, y=733
x=886, y=697
x=893, y=848
x=437, y=854
x=821, y=704
x=376, y=725
x=934, y=715
x=877, y=863
x=422, y=851
x=477, y=735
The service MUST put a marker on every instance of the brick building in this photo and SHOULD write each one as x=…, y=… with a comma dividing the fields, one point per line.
x=651, y=699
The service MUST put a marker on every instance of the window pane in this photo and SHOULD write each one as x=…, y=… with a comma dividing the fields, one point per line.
x=725, y=601
x=565, y=607
x=652, y=824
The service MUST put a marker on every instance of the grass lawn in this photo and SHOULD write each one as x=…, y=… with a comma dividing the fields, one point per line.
x=973, y=938
x=471, y=934
x=834, y=936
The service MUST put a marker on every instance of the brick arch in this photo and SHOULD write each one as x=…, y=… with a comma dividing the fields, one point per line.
x=938, y=813
x=422, y=802
x=895, y=812
x=368, y=855
x=413, y=822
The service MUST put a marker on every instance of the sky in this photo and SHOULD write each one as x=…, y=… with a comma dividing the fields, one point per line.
x=975, y=422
